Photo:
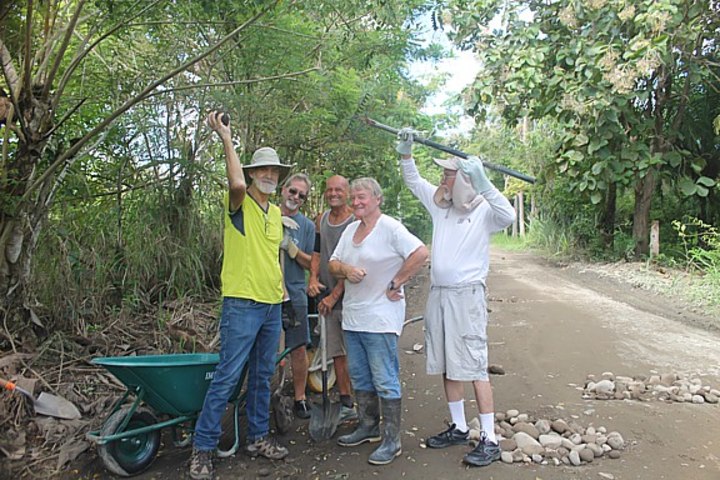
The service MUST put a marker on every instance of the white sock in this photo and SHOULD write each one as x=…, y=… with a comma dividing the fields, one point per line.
x=487, y=422
x=457, y=413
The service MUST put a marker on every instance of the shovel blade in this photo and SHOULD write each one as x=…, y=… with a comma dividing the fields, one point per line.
x=52, y=406
x=324, y=421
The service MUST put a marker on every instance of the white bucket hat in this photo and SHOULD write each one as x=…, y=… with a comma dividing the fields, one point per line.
x=267, y=157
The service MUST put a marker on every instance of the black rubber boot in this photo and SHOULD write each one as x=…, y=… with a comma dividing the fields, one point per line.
x=368, y=429
x=391, y=446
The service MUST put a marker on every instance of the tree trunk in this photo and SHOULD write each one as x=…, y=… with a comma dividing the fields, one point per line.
x=18, y=242
x=22, y=219
x=607, y=223
x=644, y=189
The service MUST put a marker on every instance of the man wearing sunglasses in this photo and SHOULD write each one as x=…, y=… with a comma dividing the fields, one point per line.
x=298, y=246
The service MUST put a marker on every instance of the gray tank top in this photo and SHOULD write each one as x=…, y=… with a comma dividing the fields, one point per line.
x=329, y=238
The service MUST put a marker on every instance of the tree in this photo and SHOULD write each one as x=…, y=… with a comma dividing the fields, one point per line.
x=42, y=50
x=616, y=75
x=104, y=100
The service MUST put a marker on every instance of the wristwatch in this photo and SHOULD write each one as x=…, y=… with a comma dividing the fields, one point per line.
x=392, y=286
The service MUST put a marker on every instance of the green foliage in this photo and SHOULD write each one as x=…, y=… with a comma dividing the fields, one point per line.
x=134, y=217
x=548, y=236
x=611, y=74
x=701, y=244
x=506, y=242
x=101, y=257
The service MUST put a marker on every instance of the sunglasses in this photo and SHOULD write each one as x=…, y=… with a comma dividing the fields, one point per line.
x=294, y=191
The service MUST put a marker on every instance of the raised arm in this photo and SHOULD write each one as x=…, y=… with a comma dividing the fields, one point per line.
x=419, y=187
x=503, y=213
x=236, y=179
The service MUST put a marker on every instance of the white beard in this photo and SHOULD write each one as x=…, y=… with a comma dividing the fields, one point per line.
x=265, y=186
x=290, y=205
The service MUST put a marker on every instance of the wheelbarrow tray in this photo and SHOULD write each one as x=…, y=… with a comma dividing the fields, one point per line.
x=173, y=384
x=174, y=387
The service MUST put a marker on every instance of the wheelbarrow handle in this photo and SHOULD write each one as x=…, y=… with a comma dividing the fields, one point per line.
x=451, y=151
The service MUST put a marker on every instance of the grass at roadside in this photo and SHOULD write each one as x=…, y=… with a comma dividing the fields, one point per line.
x=507, y=242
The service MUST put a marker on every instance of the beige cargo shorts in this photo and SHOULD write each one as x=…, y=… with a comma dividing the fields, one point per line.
x=456, y=332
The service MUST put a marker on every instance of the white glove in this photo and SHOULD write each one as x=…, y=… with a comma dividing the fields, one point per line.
x=473, y=168
x=405, y=141
x=289, y=223
x=289, y=246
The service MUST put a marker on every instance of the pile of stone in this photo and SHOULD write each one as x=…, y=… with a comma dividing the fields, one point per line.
x=669, y=387
x=544, y=441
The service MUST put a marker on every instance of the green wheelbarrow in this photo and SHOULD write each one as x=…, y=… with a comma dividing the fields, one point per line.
x=167, y=391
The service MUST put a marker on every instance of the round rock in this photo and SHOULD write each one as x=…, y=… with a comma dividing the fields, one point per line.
x=586, y=455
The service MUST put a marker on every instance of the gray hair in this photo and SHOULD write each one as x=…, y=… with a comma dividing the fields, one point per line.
x=298, y=176
x=369, y=184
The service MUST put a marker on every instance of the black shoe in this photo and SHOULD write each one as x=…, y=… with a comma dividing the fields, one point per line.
x=451, y=436
x=484, y=454
x=301, y=409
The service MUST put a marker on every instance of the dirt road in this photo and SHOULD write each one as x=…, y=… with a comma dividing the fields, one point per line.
x=550, y=327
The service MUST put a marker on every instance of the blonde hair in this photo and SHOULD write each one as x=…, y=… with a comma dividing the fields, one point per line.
x=369, y=184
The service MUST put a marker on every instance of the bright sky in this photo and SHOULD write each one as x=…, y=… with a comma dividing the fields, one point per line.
x=461, y=69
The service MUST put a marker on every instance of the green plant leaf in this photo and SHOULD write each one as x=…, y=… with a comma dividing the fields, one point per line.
x=687, y=186
x=706, y=181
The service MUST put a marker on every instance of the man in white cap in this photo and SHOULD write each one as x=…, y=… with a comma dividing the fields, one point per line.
x=252, y=291
x=465, y=209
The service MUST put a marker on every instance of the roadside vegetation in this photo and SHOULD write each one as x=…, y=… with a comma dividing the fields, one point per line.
x=111, y=186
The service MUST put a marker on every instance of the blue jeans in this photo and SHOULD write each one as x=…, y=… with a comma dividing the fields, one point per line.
x=249, y=332
x=373, y=363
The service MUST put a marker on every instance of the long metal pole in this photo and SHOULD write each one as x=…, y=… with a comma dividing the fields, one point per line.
x=451, y=151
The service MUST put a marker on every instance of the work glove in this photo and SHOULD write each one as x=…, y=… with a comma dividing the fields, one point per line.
x=289, y=246
x=405, y=141
x=289, y=320
x=473, y=168
x=289, y=223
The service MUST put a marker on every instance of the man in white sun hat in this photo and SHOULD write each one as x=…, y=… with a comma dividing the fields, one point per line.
x=252, y=290
x=465, y=209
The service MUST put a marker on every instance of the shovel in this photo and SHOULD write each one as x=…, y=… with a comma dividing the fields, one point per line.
x=324, y=420
x=46, y=404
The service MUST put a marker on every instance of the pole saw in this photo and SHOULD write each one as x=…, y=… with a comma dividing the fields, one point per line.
x=450, y=150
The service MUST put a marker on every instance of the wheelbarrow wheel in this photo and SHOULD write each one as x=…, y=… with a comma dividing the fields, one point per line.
x=129, y=456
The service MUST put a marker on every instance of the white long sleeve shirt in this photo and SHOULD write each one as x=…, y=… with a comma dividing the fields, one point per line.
x=460, y=251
